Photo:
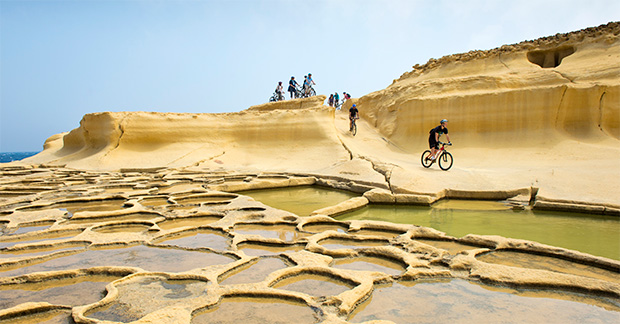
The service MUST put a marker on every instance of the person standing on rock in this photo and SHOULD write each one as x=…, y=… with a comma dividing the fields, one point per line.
x=330, y=101
x=433, y=138
x=292, y=87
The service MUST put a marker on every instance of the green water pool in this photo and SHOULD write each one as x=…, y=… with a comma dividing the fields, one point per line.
x=593, y=234
x=301, y=200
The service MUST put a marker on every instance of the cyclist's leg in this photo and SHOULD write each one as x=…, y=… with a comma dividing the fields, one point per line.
x=434, y=146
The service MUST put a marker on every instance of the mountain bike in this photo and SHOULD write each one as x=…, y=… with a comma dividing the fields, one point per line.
x=276, y=97
x=353, y=128
x=340, y=103
x=309, y=92
x=443, y=157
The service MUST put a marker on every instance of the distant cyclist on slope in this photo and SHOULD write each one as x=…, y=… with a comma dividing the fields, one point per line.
x=353, y=114
x=433, y=138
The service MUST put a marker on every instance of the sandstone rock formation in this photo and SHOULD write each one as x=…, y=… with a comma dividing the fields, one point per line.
x=540, y=116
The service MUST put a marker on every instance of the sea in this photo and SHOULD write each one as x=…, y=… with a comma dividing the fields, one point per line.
x=15, y=156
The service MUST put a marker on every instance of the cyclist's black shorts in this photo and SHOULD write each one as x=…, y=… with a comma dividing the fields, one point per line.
x=432, y=143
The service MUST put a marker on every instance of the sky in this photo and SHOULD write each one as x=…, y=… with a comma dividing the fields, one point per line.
x=60, y=60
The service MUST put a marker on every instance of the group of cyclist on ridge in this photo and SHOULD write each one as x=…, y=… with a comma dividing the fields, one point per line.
x=334, y=99
x=293, y=88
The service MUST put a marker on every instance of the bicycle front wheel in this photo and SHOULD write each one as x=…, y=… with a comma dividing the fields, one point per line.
x=354, y=129
x=426, y=163
x=445, y=161
x=312, y=93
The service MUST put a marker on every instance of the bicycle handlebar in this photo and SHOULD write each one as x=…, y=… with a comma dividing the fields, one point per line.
x=442, y=143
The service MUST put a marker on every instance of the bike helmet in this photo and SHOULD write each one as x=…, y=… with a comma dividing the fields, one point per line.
x=354, y=105
x=444, y=121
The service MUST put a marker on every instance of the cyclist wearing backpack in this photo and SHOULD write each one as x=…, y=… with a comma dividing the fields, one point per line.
x=292, y=86
x=433, y=138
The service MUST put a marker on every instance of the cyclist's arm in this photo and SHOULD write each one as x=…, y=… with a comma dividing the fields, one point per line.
x=448, y=137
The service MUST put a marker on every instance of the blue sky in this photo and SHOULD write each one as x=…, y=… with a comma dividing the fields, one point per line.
x=60, y=60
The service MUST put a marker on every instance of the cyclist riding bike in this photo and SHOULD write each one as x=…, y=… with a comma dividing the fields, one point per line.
x=433, y=138
x=353, y=114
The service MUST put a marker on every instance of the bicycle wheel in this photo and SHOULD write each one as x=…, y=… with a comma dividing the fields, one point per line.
x=445, y=161
x=312, y=93
x=426, y=163
x=354, y=129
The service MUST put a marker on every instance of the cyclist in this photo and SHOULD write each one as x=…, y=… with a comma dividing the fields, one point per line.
x=280, y=91
x=292, y=86
x=336, y=99
x=353, y=114
x=310, y=83
x=433, y=138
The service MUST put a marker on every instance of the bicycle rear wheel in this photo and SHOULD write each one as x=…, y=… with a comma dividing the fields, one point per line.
x=445, y=161
x=426, y=163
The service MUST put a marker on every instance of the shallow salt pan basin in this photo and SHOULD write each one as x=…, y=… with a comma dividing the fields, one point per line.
x=370, y=264
x=68, y=292
x=459, y=301
x=257, y=310
x=533, y=261
x=142, y=296
x=286, y=233
x=254, y=272
x=314, y=285
x=301, y=201
x=201, y=239
x=594, y=234
x=147, y=258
